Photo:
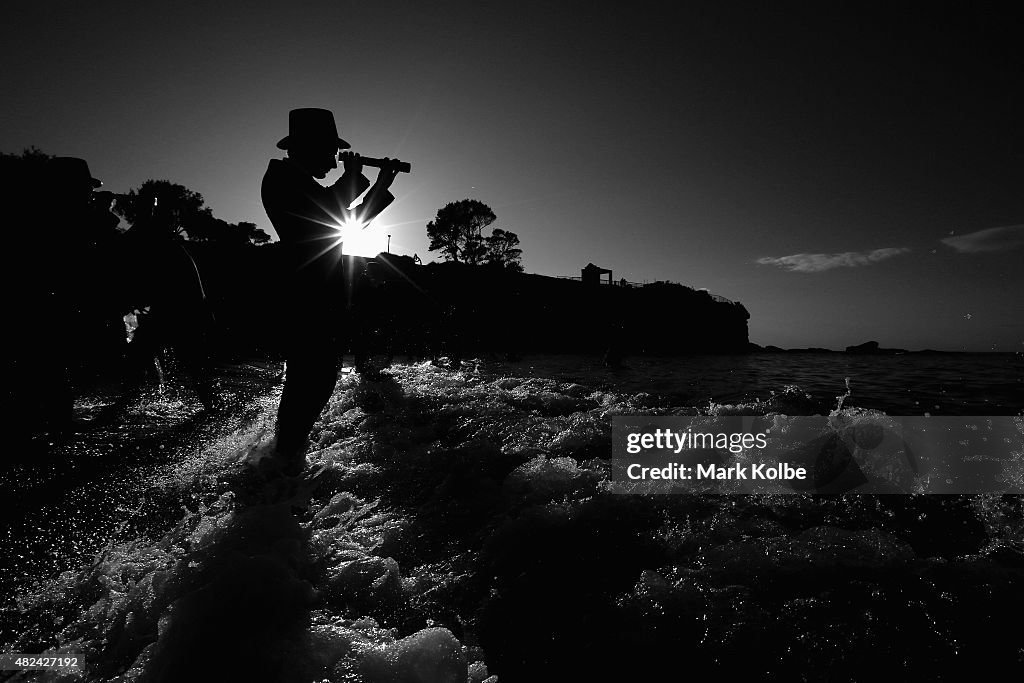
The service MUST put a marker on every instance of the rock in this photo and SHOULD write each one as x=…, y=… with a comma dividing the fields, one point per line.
x=872, y=347
x=866, y=347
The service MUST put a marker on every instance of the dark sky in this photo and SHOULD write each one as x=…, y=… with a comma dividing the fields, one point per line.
x=847, y=175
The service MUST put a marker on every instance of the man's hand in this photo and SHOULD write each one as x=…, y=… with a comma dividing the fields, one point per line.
x=387, y=174
x=353, y=162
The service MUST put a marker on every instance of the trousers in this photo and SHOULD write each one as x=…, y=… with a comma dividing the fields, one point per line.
x=313, y=357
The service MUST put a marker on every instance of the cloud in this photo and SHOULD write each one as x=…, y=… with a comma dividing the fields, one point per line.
x=990, y=239
x=815, y=263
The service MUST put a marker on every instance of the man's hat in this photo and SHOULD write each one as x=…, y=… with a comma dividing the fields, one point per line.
x=70, y=171
x=311, y=125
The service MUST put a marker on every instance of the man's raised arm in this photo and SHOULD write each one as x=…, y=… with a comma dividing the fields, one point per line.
x=353, y=183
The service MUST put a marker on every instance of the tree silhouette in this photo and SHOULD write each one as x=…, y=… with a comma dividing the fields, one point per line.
x=21, y=179
x=503, y=250
x=251, y=234
x=457, y=231
x=159, y=205
x=176, y=211
x=166, y=207
x=212, y=229
x=30, y=160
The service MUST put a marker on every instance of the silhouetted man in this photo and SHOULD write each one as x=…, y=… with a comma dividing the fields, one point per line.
x=78, y=330
x=307, y=217
x=164, y=279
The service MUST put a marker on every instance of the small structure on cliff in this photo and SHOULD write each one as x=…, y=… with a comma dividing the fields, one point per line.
x=591, y=275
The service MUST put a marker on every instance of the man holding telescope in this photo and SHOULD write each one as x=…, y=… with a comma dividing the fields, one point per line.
x=307, y=218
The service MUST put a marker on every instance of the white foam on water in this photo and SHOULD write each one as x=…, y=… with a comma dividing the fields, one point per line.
x=432, y=655
x=308, y=589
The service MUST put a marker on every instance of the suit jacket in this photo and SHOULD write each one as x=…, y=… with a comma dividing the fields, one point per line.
x=305, y=215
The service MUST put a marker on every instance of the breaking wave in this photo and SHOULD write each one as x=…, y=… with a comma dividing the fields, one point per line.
x=457, y=523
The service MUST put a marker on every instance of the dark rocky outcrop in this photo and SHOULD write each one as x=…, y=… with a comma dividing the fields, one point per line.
x=453, y=309
x=475, y=309
x=866, y=347
x=871, y=347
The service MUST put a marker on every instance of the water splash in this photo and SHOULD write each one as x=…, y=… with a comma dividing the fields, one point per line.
x=459, y=509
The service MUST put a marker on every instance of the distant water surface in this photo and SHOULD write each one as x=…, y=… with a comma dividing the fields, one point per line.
x=906, y=384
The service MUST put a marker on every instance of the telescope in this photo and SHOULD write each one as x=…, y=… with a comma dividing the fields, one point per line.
x=400, y=166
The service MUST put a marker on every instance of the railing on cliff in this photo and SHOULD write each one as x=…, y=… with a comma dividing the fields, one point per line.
x=717, y=298
x=613, y=283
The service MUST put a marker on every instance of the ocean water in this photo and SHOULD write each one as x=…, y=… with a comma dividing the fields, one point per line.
x=906, y=384
x=459, y=524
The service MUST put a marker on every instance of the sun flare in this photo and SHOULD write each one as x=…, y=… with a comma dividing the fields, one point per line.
x=357, y=240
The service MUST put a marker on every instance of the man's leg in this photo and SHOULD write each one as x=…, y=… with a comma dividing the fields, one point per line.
x=312, y=374
x=193, y=350
x=141, y=360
